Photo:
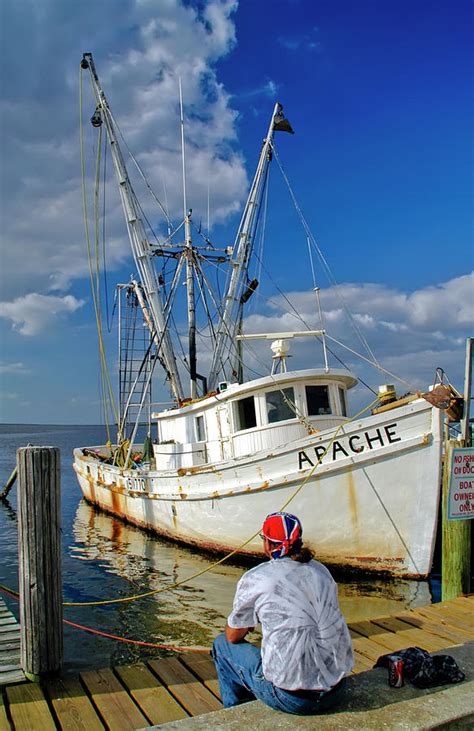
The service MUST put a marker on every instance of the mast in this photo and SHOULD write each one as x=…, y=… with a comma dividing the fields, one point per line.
x=226, y=332
x=141, y=249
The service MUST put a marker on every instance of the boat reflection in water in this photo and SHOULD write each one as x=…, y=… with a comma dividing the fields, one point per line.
x=195, y=612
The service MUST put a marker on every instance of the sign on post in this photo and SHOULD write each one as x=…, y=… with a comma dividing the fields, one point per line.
x=461, y=485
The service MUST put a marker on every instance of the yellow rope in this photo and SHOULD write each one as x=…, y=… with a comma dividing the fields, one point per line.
x=95, y=288
x=339, y=428
x=236, y=550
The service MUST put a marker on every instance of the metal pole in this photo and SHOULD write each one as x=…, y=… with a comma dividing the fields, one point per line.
x=465, y=421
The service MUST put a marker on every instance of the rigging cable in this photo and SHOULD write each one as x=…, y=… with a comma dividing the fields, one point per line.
x=263, y=229
x=150, y=189
x=97, y=273
x=323, y=260
x=108, y=386
x=303, y=321
x=104, y=240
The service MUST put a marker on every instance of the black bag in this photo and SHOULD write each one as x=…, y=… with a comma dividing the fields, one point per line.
x=425, y=670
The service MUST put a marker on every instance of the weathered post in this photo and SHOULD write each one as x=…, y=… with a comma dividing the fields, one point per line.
x=39, y=544
x=456, y=539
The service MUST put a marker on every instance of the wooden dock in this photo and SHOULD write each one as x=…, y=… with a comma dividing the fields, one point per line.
x=168, y=689
x=10, y=671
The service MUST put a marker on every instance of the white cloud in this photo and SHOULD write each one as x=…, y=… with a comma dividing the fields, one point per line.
x=268, y=90
x=43, y=246
x=33, y=313
x=8, y=396
x=445, y=306
x=410, y=333
x=16, y=368
x=309, y=42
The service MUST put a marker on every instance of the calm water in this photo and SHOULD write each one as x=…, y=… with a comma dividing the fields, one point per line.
x=104, y=558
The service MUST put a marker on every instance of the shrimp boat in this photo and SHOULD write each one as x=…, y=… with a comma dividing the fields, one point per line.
x=232, y=449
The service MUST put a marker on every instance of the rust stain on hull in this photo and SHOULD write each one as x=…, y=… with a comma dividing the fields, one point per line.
x=353, y=507
x=358, y=564
x=197, y=470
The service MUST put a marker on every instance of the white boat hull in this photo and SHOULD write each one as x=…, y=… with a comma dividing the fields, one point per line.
x=371, y=504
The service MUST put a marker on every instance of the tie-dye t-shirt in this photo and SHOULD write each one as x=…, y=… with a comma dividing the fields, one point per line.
x=306, y=643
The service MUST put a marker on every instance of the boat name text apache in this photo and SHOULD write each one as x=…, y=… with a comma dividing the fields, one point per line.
x=356, y=444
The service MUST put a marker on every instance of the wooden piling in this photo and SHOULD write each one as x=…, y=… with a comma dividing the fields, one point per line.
x=8, y=484
x=456, y=540
x=39, y=544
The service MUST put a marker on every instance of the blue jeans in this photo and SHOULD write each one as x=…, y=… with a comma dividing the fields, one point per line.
x=239, y=669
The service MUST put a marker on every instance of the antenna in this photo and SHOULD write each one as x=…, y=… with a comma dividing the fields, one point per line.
x=183, y=150
x=208, y=198
x=189, y=254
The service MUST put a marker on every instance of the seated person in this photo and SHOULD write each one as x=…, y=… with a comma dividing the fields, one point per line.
x=306, y=647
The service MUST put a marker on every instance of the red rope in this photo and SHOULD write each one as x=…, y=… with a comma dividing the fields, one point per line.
x=11, y=593
x=136, y=642
x=14, y=595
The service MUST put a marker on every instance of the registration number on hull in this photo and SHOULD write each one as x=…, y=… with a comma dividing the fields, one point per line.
x=137, y=484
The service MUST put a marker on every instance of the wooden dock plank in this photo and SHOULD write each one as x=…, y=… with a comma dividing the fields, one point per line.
x=117, y=709
x=133, y=697
x=361, y=663
x=369, y=649
x=463, y=603
x=15, y=676
x=443, y=620
x=466, y=618
x=387, y=641
x=72, y=706
x=455, y=620
x=9, y=655
x=366, y=628
x=4, y=722
x=195, y=698
x=153, y=698
x=29, y=709
x=4, y=621
x=391, y=624
x=10, y=637
x=393, y=632
x=10, y=670
x=420, y=638
x=203, y=666
x=455, y=636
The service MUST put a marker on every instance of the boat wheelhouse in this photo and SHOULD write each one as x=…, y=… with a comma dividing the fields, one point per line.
x=243, y=419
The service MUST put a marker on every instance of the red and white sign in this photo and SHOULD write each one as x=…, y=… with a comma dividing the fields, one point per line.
x=461, y=485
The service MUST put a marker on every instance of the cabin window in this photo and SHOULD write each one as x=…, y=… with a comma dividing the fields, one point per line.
x=245, y=415
x=317, y=398
x=280, y=405
x=342, y=399
x=200, y=429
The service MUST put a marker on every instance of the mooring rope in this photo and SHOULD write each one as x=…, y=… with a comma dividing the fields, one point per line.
x=236, y=550
x=135, y=597
x=122, y=600
x=160, y=646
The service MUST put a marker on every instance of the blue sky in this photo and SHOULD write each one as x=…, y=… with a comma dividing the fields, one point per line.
x=380, y=95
